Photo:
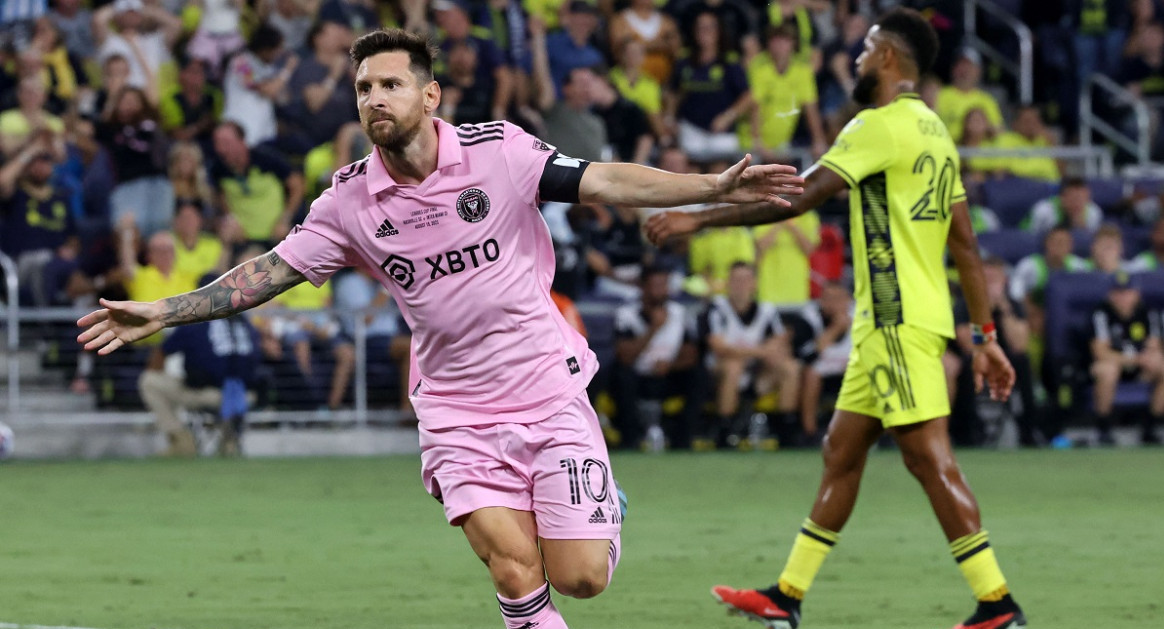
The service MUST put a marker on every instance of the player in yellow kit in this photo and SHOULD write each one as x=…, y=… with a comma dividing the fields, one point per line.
x=907, y=205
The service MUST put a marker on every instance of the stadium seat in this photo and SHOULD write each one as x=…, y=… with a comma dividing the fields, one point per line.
x=1011, y=198
x=1107, y=193
x=1136, y=240
x=1011, y=245
x=1082, y=242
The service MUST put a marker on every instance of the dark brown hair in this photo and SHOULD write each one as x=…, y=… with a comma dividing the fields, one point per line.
x=420, y=51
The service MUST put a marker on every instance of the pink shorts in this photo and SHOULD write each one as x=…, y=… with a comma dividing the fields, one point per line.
x=557, y=468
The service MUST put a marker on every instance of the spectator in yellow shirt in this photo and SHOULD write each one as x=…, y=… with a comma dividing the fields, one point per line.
x=782, y=251
x=783, y=86
x=954, y=101
x=1029, y=133
x=712, y=253
x=631, y=80
x=160, y=276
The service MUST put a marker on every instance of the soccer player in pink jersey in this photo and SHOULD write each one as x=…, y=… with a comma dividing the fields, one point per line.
x=447, y=217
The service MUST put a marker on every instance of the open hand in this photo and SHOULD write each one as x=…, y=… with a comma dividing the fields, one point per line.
x=755, y=184
x=118, y=323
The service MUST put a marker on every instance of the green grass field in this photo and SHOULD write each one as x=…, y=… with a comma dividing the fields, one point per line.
x=356, y=543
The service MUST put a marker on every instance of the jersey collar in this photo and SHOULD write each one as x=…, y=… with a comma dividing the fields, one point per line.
x=448, y=155
x=908, y=95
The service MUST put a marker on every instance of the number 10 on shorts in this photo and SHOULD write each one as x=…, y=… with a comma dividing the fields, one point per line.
x=582, y=480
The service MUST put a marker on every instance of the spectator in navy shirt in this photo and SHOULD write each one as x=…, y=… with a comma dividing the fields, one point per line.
x=321, y=99
x=220, y=358
x=709, y=94
x=452, y=16
x=570, y=48
x=36, y=225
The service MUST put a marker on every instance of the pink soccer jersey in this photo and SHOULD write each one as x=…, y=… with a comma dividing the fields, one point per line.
x=469, y=259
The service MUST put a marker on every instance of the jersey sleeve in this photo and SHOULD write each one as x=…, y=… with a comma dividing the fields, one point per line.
x=538, y=170
x=318, y=248
x=864, y=147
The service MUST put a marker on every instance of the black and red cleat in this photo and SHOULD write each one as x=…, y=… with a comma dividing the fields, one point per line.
x=769, y=607
x=1004, y=614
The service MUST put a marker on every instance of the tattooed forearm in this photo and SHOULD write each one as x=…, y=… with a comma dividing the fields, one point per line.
x=251, y=283
x=746, y=214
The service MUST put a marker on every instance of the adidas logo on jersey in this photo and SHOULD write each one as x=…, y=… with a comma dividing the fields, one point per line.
x=386, y=229
x=598, y=517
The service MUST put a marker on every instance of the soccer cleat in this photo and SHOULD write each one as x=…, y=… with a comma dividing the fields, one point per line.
x=1004, y=614
x=759, y=606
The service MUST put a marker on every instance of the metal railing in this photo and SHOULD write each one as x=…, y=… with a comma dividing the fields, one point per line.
x=12, y=310
x=1023, y=70
x=1097, y=160
x=1140, y=146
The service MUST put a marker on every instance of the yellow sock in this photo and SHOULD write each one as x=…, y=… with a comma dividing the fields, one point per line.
x=812, y=545
x=978, y=564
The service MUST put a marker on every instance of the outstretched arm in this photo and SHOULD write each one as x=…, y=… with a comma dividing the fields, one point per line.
x=820, y=184
x=631, y=185
x=251, y=283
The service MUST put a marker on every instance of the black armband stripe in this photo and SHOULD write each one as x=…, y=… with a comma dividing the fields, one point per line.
x=561, y=178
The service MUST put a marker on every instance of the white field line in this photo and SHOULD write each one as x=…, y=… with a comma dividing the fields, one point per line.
x=8, y=625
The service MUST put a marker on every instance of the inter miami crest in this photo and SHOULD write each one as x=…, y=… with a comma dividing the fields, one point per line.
x=473, y=205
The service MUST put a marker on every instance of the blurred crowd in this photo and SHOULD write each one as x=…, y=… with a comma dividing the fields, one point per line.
x=149, y=144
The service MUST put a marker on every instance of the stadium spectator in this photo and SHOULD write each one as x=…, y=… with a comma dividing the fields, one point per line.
x=505, y=23
x=257, y=186
x=630, y=79
x=1153, y=258
x=159, y=276
x=569, y=124
x=143, y=35
x=359, y=15
x=627, y=129
x=196, y=252
x=964, y=93
x=1107, y=249
x=618, y=251
x=320, y=163
x=492, y=70
x=1142, y=71
x=190, y=112
x=315, y=108
x=467, y=96
x=840, y=61
x=75, y=22
x=61, y=71
x=357, y=294
x=1031, y=273
x=713, y=253
x=114, y=78
x=656, y=35
x=254, y=82
x=1097, y=30
x=219, y=360
x=1071, y=208
x=129, y=127
x=310, y=328
x=783, y=87
x=782, y=259
x=654, y=349
x=1029, y=132
x=96, y=178
x=217, y=35
x=18, y=125
x=977, y=133
x=1014, y=333
x=709, y=94
x=747, y=348
x=569, y=48
x=737, y=22
x=1126, y=347
x=292, y=18
x=38, y=228
x=928, y=88
x=188, y=176
x=831, y=318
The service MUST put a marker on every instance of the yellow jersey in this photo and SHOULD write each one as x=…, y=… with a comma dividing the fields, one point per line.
x=953, y=105
x=201, y=259
x=903, y=170
x=149, y=284
x=712, y=252
x=779, y=98
x=783, y=272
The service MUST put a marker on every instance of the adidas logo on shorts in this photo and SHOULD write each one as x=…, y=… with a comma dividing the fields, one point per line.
x=598, y=517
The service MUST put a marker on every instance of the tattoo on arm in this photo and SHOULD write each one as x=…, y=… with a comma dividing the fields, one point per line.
x=747, y=214
x=247, y=285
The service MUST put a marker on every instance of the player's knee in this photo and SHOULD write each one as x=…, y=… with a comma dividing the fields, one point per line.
x=581, y=584
x=928, y=464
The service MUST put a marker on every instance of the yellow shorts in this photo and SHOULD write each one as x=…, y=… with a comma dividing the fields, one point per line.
x=895, y=374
